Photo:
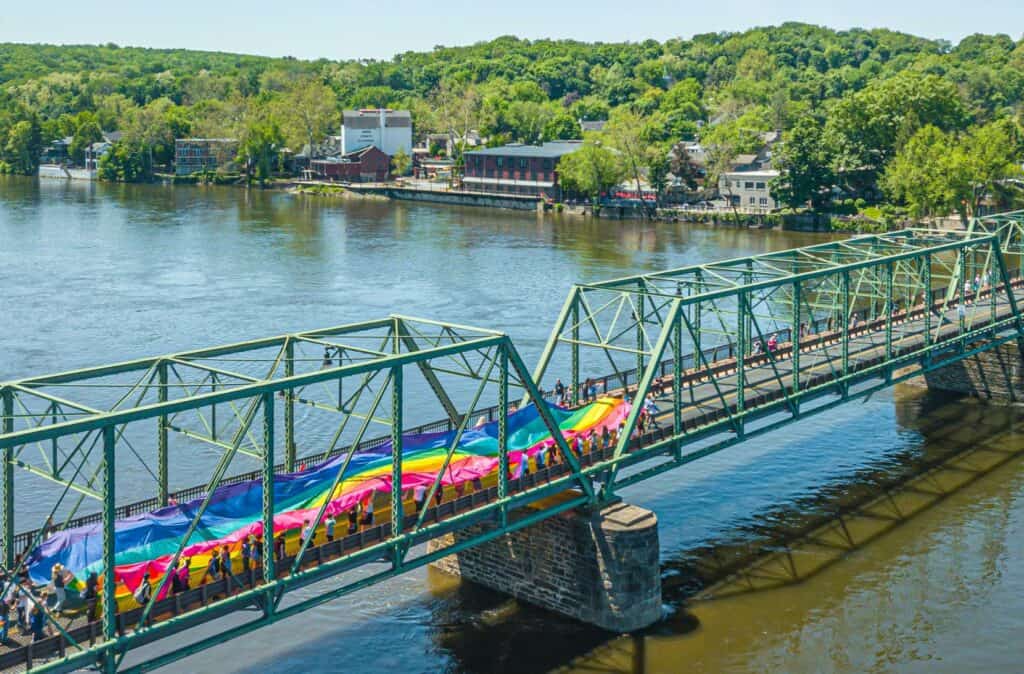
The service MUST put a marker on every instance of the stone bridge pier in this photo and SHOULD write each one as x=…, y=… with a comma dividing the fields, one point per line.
x=597, y=567
x=996, y=375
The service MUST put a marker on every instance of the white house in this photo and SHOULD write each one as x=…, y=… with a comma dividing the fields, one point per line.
x=748, y=189
x=387, y=130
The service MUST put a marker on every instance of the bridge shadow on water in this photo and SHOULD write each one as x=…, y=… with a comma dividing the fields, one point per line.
x=472, y=629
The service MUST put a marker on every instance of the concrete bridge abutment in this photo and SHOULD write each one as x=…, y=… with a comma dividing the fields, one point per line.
x=995, y=376
x=598, y=567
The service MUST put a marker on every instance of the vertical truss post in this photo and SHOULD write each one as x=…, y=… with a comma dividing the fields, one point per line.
x=696, y=314
x=161, y=438
x=641, y=312
x=109, y=515
x=748, y=278
x=289, y=407
x=397, y=512
x=269, y=572
x=847, y=311
x=677, y=385
x=574, y=394
x=889, y=273
x=990, y=276
x=7, y=397
x=742, y=347
x=926, y=272
x=964, y=282
x=503, y=431
x=795, y=341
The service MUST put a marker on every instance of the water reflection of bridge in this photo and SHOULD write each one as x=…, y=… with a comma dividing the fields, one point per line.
x=865, y=313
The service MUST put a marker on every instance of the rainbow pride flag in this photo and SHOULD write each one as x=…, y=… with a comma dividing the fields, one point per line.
x=146, y=543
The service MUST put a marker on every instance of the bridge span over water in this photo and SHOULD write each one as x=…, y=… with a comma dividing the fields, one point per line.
x=435, y=429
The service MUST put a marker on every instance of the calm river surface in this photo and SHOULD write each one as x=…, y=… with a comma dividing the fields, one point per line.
x=92, y=274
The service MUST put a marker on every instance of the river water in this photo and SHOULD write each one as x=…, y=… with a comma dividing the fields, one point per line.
x=929, y=578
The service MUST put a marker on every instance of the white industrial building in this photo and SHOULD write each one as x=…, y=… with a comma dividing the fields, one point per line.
x=387, y=130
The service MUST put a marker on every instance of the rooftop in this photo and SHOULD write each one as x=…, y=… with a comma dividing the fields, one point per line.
x=550, y=149
x=366, y=112
x=765, y=173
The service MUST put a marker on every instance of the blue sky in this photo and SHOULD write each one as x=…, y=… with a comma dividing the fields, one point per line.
x=380, y=28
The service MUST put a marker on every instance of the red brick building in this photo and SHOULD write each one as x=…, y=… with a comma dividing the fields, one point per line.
x=517, y=168
x=367, y=164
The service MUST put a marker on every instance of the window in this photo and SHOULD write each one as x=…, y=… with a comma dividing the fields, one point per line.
x=752, y=200
x=522, y=163
x=749, y=185
x=547, y=164
x=764, y=201
x=760, y=186
x=501, y=162
x=739, y=184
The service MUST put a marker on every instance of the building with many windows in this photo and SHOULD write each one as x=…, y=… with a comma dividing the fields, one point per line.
x=748, y=189
x=196, y=155
x=517, y=168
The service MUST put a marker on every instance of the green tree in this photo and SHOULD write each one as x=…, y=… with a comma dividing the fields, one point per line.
x=23, y=146
x=259, y=146
x=658, y=169
x=562, y=127
x=625, y=134
x=87, y=132
x=401, y=163
x=590, y=170
x=308, y=110
x=990, y=154
x=867, y=128
x=925, y=175
x=939, y=173
x=125, y=164
x=805, y=166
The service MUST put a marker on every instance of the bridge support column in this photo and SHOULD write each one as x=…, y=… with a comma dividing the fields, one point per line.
x=996, y=375
x=598, y=567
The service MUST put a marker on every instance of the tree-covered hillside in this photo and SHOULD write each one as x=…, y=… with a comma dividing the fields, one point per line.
x=857, y=96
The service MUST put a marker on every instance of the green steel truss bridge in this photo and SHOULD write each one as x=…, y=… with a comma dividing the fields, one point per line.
x=847, y=318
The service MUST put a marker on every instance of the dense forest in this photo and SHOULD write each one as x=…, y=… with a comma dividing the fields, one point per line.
x=928, y=124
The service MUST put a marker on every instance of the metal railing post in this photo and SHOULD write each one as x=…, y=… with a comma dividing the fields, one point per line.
x=8, y=479
x=109, y=518
x=503, y=431
x=397, y=510
x=161, y=442
x=269, y=563
x=794, y=340
x=289, y=407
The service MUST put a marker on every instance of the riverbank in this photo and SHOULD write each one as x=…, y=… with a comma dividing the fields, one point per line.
x=788, y=221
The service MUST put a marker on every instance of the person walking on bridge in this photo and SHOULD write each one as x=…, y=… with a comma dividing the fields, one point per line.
x=212, y=567
x=246, y=554
x=225, y=563
x=59, y=580
x=559, y=392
